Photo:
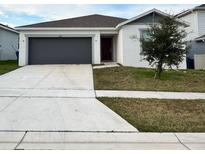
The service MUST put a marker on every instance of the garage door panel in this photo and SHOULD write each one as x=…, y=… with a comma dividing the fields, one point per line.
x=60, y=51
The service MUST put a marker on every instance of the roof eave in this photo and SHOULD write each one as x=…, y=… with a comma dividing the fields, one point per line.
x=9, y=29
x=200, y=38
x=184, y=13
x=65, y=28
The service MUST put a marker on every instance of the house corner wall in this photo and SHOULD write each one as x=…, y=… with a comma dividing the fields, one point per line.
x=23, y=60
x=96, y=49
x=119, y=53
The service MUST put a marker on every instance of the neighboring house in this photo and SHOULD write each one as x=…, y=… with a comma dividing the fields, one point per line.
x=92, y=39
x=8, y=43
x=196, y=32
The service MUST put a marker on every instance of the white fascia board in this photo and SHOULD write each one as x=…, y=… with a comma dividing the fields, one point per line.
x=146, y=13
x=9, y=29
x=57, y=28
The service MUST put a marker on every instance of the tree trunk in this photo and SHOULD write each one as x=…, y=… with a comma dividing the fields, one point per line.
x=158, y=71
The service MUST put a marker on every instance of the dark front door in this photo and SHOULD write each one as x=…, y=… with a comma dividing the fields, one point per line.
x=73, y=50
x=106, y=49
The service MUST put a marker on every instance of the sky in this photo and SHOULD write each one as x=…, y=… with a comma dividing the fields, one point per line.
x=23, y=14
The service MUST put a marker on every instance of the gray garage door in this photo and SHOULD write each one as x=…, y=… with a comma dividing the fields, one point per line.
x=60, y=50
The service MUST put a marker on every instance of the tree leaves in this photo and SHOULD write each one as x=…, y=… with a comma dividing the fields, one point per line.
x=166, y=45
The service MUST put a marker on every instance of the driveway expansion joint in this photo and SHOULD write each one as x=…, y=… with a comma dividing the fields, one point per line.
x=16, y=147
x=181, y=141
x=16, y=98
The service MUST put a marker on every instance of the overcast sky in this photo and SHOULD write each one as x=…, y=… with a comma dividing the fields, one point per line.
x=16, y=15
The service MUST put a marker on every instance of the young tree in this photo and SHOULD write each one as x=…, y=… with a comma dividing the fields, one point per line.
x=164, y=45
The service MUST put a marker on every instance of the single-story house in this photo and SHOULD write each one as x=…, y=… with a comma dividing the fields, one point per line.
x=9, y=39
x=91, y=39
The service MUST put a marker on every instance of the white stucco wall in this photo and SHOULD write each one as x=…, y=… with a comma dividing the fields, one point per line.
x=24, y=35
x=129, y=47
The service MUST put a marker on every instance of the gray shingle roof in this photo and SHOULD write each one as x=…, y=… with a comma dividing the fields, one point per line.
x=202, y=5
x=83, y=21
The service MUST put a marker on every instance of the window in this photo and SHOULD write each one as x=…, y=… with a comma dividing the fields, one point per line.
x=143, y=35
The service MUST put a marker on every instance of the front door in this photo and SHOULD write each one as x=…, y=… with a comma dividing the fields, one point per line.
x=106, y=49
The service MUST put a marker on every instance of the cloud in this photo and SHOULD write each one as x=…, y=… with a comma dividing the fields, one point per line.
x=49, y=12
x=1, y=13
x=28, y=13
x=8, y=24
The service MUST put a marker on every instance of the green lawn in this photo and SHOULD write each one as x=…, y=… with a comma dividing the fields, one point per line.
x=7, y=66
x=155, y=115
x=130, y=78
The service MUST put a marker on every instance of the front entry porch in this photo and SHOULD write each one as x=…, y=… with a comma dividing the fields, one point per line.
x=108, y=49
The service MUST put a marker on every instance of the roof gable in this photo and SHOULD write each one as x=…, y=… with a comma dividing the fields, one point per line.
x=147, y=19
x=153, y=11
x=142, y=15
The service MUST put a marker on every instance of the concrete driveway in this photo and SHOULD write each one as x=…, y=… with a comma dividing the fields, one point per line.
x=54, y=107
x=54, y=98
x=69, y=77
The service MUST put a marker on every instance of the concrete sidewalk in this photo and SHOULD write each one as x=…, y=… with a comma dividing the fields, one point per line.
x=102, y=140
x=149, y=94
